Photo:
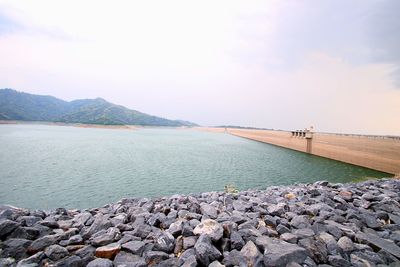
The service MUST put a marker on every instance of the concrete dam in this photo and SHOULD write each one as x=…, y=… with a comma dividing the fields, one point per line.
x=380, y=153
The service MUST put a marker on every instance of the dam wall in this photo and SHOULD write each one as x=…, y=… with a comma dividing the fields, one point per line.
x=380, y=153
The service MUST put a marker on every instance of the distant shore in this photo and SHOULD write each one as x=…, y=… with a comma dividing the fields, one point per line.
x=81, y=125
x=354, y=224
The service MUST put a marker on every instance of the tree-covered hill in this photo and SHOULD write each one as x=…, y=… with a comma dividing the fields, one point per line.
x=16, y=105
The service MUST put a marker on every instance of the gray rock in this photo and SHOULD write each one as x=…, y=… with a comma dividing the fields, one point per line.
x=316, y=249
x=280, y=253
x=7, y=262
x=205, y=251
x=72, y=261
x=33, y=260
x=135, y=247
x=301, y=221
x=211, y=228
x=15, y=248
x=209, y=210
x=155, y=257
x=216, y=264
x=6, y=227
x=100, y=223
x=105, y=237
x=234, y=258
x=43, y=242
x=381, y=243
x=56, y=252
x=100, y=263
x=338, y=261
x=345, y=244
x=29, y=220
x=251, y=254
x=289, y=237
x=74, y=240
x=165, y=242
x=236, y=240
x=128, y=259
x=189, y=242
x=190, y=262
x=30, y=233
x=176, y=228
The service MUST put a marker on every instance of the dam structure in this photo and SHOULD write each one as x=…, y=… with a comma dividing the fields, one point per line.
x=376, y=152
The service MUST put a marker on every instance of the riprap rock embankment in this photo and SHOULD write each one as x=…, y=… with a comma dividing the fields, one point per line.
x=301, y=225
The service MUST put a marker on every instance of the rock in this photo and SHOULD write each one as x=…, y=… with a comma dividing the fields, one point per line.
x=289, y=237
x=135, y=247
x=276, y=210
x=100, y=223
x=338, y=261
x=251, y=254
x=211, y=228
x=105, y=237
x=6, y=227
x=330, y=242
x=381, y=243
x=165, y=242
x=316, y=249
x=128, y=259
x=205, y=251
x=74, y=240
x=72, y=261
x=176, y=228
x=100, y=263
x=55, y=252
x=209, y=210
x=155, y=257
x=216, y=264
x=33, y=260
x=190, y=262
x=30, y=233
x=108, y=251
x=301, y=221
x=237, y=241
x=7, y=262
x=234, y=258
x=189, y=242
x=345, y=244
x=280, y=253
x=29, y=220
x=346, y=195
x=43, y=242
x=15, y=248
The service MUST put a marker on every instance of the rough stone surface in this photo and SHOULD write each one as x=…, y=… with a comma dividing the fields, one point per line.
x=313, y=225
x=211, y=228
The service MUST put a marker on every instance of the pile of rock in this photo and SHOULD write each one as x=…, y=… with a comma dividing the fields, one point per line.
x=318, y=224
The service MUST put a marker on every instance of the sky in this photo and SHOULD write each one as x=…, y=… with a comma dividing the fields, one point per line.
x=287, y=65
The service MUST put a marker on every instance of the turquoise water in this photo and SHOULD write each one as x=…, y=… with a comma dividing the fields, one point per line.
x=59, y=166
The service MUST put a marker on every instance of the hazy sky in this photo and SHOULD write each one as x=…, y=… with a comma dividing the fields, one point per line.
x=274, y=64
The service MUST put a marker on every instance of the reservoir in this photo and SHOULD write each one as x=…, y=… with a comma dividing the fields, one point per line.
x=45, y=167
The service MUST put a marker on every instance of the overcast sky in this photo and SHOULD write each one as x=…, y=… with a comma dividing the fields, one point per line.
x=274, y=64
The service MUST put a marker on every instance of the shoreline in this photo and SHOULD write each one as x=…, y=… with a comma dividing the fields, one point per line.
x=301, y=225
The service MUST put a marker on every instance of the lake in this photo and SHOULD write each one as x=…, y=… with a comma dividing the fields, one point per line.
x=43, y=166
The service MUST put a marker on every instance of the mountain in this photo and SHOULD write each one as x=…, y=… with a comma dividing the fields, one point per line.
x=16, y=105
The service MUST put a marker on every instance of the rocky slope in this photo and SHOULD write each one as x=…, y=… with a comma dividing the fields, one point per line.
x=319, y=224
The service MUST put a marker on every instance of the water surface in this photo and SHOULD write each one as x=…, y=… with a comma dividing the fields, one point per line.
x=61, y=166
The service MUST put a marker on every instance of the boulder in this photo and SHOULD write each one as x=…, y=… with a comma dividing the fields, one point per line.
x=135, y=247
x=205, y=251
x=280, y=253
x=211, y=228
x=56, y=252
x=100, y=263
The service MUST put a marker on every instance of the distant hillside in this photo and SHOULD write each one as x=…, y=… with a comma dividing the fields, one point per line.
x=16, y=105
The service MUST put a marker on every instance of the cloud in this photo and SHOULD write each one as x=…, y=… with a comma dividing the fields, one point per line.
x=276, y=64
